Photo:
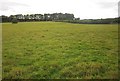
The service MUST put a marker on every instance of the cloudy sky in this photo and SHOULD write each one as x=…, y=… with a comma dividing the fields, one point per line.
x=85, y=9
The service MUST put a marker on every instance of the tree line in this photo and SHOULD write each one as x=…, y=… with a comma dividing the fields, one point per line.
x=57, y=17
x=38, y=17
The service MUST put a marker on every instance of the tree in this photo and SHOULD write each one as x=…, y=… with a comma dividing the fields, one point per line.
x=4, y=18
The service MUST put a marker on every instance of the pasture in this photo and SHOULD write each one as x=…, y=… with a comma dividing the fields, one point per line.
x=57, y=50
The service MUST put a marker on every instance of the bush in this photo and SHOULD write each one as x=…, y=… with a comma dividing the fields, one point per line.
x=14, y=21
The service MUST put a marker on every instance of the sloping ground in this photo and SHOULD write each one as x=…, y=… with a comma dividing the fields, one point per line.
x=48, y=50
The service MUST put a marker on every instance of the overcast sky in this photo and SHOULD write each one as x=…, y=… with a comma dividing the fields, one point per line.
x=85, y=9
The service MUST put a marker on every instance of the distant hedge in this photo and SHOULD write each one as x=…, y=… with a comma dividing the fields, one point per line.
x=94, y=21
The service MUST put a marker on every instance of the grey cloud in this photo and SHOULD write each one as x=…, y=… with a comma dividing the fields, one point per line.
x=5, y=5
x=107, y=4
x=4, y=8
x=119, y=8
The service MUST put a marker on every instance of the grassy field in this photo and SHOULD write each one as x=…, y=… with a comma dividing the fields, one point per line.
x=0, y=51
x=48, y=50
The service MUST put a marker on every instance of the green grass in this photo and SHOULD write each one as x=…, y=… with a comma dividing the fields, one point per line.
x=54, y=50
x=0, y=51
